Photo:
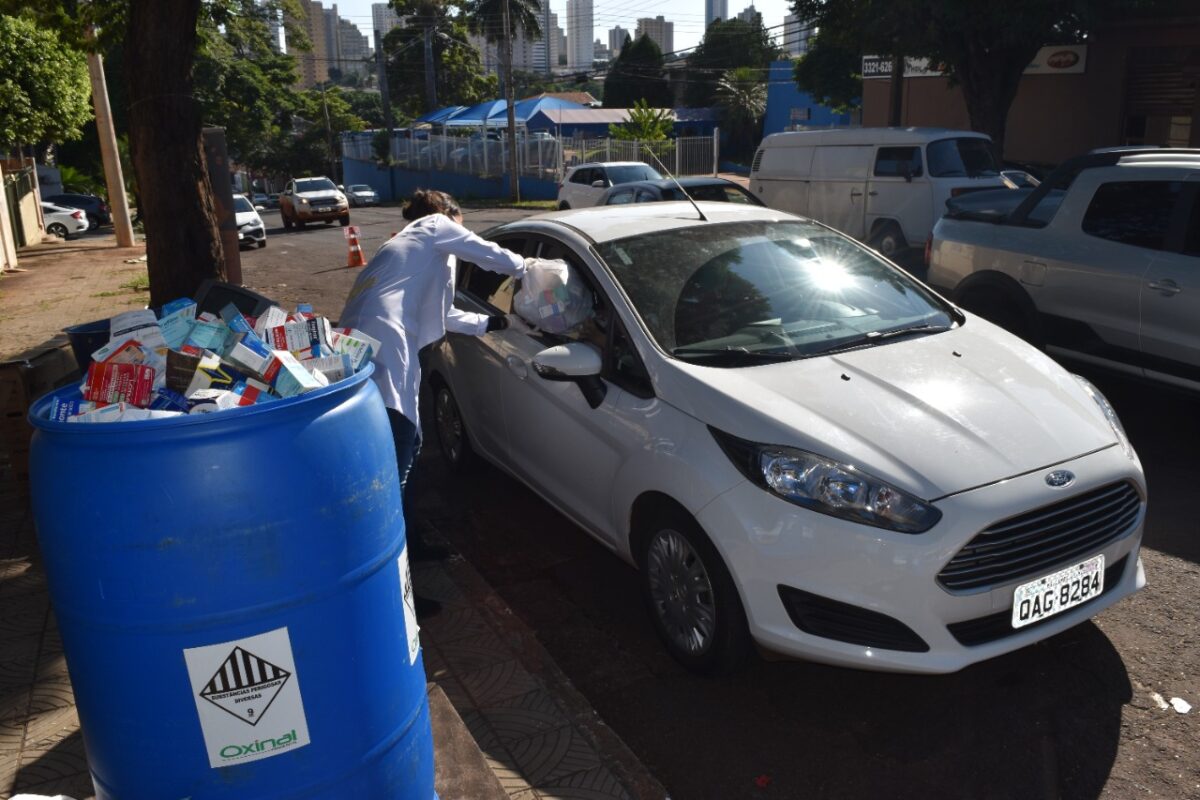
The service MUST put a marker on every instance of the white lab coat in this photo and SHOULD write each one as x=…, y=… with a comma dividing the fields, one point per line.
x=404, y=298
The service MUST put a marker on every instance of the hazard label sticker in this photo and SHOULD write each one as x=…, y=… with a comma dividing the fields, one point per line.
x=410, y=607
x=247, y=697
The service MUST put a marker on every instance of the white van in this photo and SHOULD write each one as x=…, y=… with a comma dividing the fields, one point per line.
x=884, y=186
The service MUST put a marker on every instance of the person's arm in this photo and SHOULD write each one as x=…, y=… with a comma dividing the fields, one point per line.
x=454, y=239
x=468, y=322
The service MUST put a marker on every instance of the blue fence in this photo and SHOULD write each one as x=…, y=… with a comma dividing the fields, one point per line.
x=402, y=182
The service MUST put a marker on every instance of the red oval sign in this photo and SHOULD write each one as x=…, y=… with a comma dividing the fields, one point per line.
x=1063, y=59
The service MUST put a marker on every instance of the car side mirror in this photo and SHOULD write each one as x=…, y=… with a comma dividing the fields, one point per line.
x=260, y=208
x=599, y=184
x=577, y=363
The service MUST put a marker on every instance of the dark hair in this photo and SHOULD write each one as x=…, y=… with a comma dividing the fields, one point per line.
x=429, y=201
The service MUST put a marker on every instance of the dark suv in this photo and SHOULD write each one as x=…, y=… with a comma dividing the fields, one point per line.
x=97, y=210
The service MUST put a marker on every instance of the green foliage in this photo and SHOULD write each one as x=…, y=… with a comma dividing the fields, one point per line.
x=742, y=98
x=44, y=90
x=727, y=44
x=486, y=18
x=367, y=106
x=459, y=74
x=832, y=74
x=645, y=123
x=637, y=74
x=77, y=180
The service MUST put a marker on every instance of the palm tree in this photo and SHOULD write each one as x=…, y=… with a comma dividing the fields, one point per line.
x=428, y=15
x=742, y=97
x=502, y=21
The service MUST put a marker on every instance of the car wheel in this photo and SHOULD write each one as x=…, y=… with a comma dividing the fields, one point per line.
x=888, y=240
x=451, y=430
x=1001, y=309
x=93, y=224
x=344, y=221
x=564, y=206
x=262, y=243
x=692, y=598
x=57, y=229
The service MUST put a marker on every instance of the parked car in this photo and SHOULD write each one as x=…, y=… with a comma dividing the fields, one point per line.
x=272, y=200
x=96, y=209
x=472, y=150
x=362, y=195
x=260, y=199
x=884, y=186
x=1101, y=263
x=64, y=221
x=312, y=200
x=795, y=442
x=583, y=184
x=251, y=230
x=712, y=189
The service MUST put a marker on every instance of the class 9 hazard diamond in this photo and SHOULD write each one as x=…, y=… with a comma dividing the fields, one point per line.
x=245, y=685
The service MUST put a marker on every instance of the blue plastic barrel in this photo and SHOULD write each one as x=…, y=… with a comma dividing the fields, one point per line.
x=231, y=594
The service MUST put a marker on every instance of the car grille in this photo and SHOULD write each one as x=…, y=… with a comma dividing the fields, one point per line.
x=842, y=622
x=993, y=627
x=1034, y=542
x=323, y=201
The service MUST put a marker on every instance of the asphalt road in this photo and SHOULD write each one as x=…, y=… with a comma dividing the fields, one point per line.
x=1072, y=717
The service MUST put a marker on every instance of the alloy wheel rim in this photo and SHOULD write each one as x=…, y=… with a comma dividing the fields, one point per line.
x=449, y=425
x=681, y=592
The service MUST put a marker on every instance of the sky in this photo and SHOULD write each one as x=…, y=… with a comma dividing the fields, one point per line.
x=688, y=15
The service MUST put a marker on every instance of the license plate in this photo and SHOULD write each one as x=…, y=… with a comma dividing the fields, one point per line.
x=1058, y=592
x=324, y=210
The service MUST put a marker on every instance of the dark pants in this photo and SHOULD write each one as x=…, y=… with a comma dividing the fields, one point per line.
x=408, y=444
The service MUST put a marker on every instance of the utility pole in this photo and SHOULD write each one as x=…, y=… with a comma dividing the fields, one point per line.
x=895, y=115
x=329, y=134
x=430, y=81
x=386, y=100
x=514, y=183
x=113, y=178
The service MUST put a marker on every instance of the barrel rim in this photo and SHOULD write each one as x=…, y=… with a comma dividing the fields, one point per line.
x=38, y=412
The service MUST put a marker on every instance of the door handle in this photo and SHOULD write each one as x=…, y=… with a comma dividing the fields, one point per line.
x=855, y=193
x=517, y=367
x=1166, y=287
x=872, y=193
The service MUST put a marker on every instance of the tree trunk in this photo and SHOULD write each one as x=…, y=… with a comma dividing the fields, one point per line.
x=175, y=196
x=990, y=77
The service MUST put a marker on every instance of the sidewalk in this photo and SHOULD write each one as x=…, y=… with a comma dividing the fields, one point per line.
x=539, y=736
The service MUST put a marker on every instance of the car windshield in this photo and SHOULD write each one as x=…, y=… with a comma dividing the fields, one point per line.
x=360, y=188
x=736, y=294
x=961, y=158
x=315, y=185
x=713, y=191
x=632, y=172
x=241, y=205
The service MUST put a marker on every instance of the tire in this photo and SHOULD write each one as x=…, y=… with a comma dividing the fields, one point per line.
x=344, y=221
x=676, y=556
x=262, y=243
x=888, y=240
x=299, y=223
x=453, y=441
x=93, y=224
x=57, y=229
x=564, y=206
x=328, y=222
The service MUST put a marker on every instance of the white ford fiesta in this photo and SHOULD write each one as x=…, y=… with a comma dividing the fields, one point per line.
x=797, y=443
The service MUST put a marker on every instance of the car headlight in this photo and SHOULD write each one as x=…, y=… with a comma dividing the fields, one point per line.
x=303, y=201
x=827, y=487
x=1109, y=413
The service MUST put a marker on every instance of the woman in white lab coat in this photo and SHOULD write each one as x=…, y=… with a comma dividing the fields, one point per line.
x=404, y=297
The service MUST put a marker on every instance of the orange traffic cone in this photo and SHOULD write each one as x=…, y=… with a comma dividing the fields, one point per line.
x=355, y=257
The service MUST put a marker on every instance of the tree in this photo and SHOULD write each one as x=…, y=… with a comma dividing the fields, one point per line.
x=727, y=44
x=460, y=76
x=831, y=74
x=44, y=89
x=742, y=98
x=637, y=74
x=984, y=47
x=645, y=124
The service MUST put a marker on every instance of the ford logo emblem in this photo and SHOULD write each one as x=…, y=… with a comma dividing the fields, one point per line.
x=1060, y=478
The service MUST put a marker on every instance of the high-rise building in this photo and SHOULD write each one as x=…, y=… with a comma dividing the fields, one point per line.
x=796, y=33
x=659, y=30
x=616, y=40
x=599, y=51
x=750, y=15
x=274, y=30
x=312, y=65
x=714, y=10
x=580, y=44
x=384, y=18
x=353, y=48
x=544, y=52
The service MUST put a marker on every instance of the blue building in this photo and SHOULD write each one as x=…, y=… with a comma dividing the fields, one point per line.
x=788, y=108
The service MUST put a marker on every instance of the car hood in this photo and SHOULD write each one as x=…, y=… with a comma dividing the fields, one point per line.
x=247, y=216
x=935, y=415
x=322, y=194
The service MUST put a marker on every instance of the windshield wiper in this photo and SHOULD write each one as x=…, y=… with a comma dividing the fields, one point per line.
x=871, y=337
x=736, y=352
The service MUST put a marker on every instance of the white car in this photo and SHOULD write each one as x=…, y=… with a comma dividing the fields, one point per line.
x=1099, y=264
x=251, y=230
x=63, y=221
x=584, y=184
x=797, y=443
x=360, y=194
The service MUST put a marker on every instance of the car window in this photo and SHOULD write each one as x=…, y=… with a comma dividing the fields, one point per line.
x=315, y=185
x=898, y=162
x=241, y=205
x=595, y=330
x=1191, y=244
x=961, y=158
x=623, y=366
x=620, y=198
x=1136, y=213
x=646, y=196
x=485, y=286
x=583, y=176
x=628, y=173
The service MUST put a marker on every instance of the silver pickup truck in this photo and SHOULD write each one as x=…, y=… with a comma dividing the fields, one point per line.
x=1100, y=264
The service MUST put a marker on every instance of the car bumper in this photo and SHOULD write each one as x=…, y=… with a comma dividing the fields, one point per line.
x=248, y=236
x=313, y=213
x=768, y=543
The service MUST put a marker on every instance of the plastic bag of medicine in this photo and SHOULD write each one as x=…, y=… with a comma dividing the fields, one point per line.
x=552, y=298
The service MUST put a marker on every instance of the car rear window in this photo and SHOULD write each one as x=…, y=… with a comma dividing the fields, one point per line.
x=631, y=173
x=961, y=158
x=1135, y=213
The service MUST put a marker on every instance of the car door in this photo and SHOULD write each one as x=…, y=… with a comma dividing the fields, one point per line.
x=589, y=195
x=574, y=189
x=1170, y=297
x=899, y=190
x=568, y=451
x=476, y=363
x=837, y=193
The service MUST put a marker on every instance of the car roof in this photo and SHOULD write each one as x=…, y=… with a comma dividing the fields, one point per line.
x=667, y=183
x=611, y=164
x=607, y=223
x=866, y=136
